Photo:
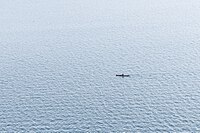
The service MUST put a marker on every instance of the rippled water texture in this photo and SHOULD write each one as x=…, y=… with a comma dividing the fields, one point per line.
x=59, y=58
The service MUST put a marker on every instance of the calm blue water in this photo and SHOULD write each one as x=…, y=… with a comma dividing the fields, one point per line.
x=58, y=61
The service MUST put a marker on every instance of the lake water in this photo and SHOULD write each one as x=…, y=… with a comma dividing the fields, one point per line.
x=59, y=58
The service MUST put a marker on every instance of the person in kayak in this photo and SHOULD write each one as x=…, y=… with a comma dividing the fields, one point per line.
x=122, y=75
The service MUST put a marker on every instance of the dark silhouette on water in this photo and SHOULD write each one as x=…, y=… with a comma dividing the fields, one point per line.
x=122, y=75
